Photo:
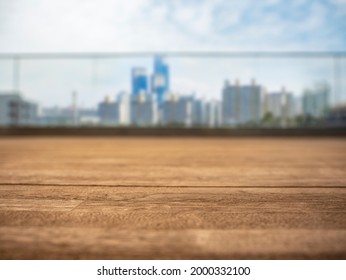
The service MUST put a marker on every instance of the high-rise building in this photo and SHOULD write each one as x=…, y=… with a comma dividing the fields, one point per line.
x=290, y=110
x=160, y=78
x=117, y=112
x=144, y=110
x=139, y=80
x=242, y=104
x=177, y=110
x=107, y=111
x=15, y=110
x=213, y=113
x=251, y=107
x=169, y=110
x=298, y=105
x=281, y=106
x=231, y=103
x=185, y=110
x=198, y=112
x=123, y=108
x=316, y=101
x=275, y=104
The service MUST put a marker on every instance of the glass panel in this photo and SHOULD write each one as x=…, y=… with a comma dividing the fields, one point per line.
x=212, y=90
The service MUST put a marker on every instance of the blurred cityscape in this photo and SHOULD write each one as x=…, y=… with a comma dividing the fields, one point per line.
x=151, y=102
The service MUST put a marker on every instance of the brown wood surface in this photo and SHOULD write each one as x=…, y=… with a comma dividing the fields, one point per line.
x=172, y=198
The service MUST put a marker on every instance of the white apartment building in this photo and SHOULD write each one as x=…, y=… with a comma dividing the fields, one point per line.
x=213, y=113
x=242, y=104
x=281, y=104
x=16, y=110
x=316, y=101
x=177, y=110
x=144, y=110
x=117, y=112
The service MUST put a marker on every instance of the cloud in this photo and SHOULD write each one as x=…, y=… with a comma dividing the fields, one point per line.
x=76, y=25
x=339, y=2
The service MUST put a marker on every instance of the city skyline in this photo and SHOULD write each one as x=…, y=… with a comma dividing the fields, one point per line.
x=238, y=104
x=93, y=79
x=152, y=103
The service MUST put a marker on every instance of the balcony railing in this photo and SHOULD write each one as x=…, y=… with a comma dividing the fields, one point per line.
x=184, y=89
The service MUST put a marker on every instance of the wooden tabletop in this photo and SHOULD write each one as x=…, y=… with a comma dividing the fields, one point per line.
x=172, y=198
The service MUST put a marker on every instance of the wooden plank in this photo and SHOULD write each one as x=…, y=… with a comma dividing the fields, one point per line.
x=174, y=162
x=110, y=198
x=104, y=243
x=164, y=218
x=38, y=204
x=173, y=208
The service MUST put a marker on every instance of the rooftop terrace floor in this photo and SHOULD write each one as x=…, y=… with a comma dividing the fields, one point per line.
x=172, y=198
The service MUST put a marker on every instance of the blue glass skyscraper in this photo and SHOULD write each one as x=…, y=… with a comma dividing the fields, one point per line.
x=139, y=80
x=160, y=78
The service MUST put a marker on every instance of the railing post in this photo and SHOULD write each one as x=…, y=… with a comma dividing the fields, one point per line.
x=16, y=74
x=94, y=75
x=337, y=80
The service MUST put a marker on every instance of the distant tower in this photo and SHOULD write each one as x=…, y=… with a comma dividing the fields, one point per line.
x=139, y=80
x=160, y=78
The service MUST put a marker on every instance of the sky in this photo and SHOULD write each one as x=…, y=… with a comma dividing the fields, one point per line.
x=153, y=25
x=175, y=25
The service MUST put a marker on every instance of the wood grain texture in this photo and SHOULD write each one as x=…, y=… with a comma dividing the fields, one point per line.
x=142, y=198
x=174, y=162
x=96, y=243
